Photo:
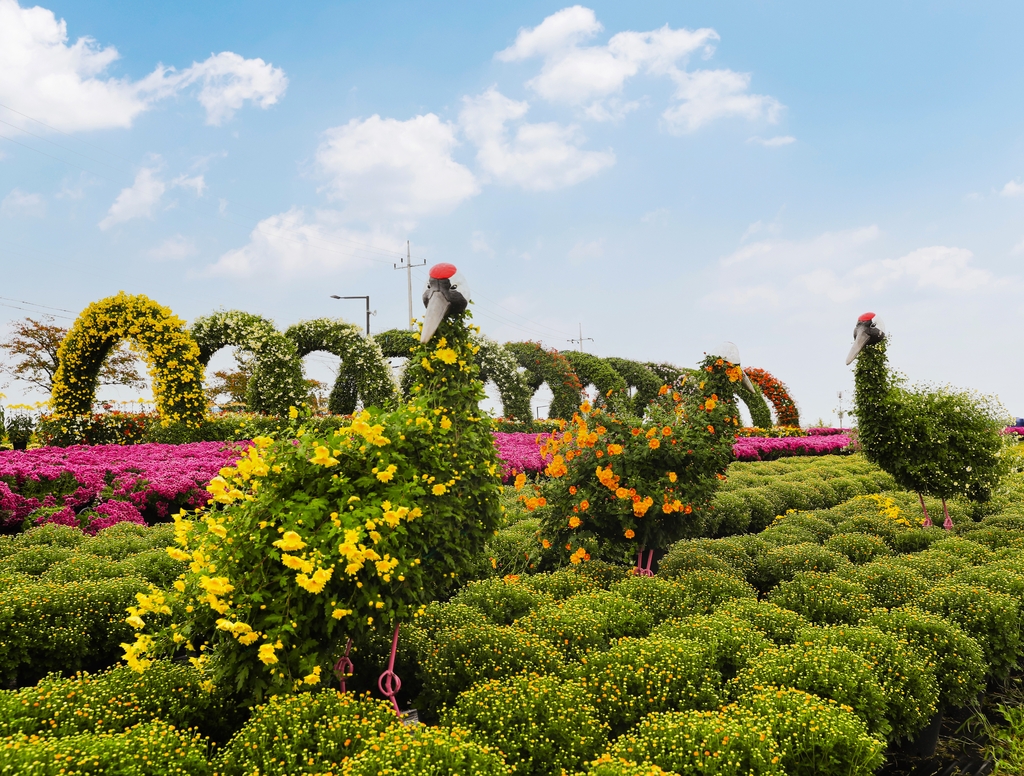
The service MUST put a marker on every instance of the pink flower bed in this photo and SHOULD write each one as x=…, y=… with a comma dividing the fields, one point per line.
x=817, y=431
x=118, y=483
x=767, y=449
x=519, y=452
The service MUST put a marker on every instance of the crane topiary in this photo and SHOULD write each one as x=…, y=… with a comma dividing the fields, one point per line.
x=312, y=541
x=942, y=443
x=622, y=483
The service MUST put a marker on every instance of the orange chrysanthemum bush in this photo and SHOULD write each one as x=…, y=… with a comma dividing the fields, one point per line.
x=618, y=483
x=169, y=350
x=313, y=539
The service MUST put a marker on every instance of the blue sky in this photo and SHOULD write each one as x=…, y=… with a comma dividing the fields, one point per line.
x=668, y=175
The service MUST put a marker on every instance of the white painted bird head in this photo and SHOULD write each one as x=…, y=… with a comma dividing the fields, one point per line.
x=869, y=331
x=442, y=297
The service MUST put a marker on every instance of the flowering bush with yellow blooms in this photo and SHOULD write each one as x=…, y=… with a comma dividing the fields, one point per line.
x=313, y=539
x=170, y=352
x=618, y=482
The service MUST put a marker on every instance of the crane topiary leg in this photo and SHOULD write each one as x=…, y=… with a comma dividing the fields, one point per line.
x=927, y=520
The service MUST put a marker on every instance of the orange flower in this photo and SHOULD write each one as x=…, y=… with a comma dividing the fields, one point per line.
x=710, y=404
x=520, y=481
x=614, y=449
x=635, y=431
x=719, y=362
x=546, y=544
x=572, y=490
x=629, y=533
x=622, y=493
x=584, y=505
x=711, y=429
x=585, y=407
x=667, y=431
x=672, y=477
x=663, y=390
x=654, y=444
x=575, y=522
x=599, y=454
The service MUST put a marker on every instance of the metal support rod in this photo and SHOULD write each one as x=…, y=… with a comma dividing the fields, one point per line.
x=389, y=684
x=407, y=266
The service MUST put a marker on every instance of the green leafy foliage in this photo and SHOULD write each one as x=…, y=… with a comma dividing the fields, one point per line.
x=425, y=751
x=824, y=599
x=542, y=724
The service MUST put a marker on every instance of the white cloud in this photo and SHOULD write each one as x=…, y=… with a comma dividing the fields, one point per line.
x=657, y=216
x=20, y=204
x=385, y=169
x=292, y=244
x=591, y=78
x=1012, y=189
x=138, y=200
x=586, y=249
x=67, y=86
x=197, y=182
x=141, y=198
x=173, y=249
x=479, y=244
x=1017, y=249
x=537, y=157
x=836, y=267
x=773, y=142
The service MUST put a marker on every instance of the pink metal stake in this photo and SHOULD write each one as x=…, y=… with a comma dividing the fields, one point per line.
x=343, y=668
x=948, y=523
x=927, y=520
x=389, y=684
x=641, y=570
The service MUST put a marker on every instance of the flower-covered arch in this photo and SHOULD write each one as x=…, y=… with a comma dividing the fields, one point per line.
x=500, y=366
x=363, y=374
x=551, y=367
x=170, y=352
x=276, y=383
x=640, y=378
x=596, y=371
x=786, y=413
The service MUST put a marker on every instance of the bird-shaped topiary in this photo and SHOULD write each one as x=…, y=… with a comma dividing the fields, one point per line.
x=621, y=483
x=942, y=443
x=313, y=540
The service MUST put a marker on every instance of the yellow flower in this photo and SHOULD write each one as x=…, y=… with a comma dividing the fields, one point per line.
x=216, y=586
x=322, y=457
x=672, y=477
x=314, y=584
x=575, y=522
x=266, y=652
x=177, y=554
x=439, y=489
x=313, y=678
x=520, y=481
x=654, y=444
x=290, y=542
x=446, y=423
x=337, y=614
x=217, y=530
x=293, y=414
x=388, y=474
x=447, y=355
x=296, y=563
x=630, y=533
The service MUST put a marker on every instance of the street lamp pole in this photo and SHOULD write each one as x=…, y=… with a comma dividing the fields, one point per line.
x=368, y=313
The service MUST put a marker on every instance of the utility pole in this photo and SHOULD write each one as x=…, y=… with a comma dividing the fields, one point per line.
x=580, y=340
x=407, y=265
x=839, y=410
x=368, y=313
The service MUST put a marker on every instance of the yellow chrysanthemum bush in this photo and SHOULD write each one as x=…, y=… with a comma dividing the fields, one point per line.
x=169, y=350
x=619, y=483
x=310, y=540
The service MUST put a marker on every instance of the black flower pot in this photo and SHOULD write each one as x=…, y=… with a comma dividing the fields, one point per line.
x=927, y=739
x=19, y=444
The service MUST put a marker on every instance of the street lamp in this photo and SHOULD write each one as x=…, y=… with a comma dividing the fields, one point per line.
x=368, y=313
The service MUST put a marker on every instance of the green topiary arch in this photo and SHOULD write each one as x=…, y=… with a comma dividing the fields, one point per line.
x=786, y=413
x=596, y=371
x=363, y=374
x=551, y=367
x=172, y=356
x=644, y=382
x=498, y=365
x=757, y=407
x=276, y=383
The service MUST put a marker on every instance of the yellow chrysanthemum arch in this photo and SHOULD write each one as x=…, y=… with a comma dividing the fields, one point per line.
x=169, y=350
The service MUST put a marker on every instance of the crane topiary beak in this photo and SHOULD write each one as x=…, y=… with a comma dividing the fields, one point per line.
x=437, y=308
x=746, y=382
x=863, y=337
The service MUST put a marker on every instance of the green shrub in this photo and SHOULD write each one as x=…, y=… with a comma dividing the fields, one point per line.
x=957, y=659
x=113, y=701
x=308, y=733
x=992, y=618
x=1000, y=579
x=502, y=601
x=729, y=742
x=732, y=640
x=512, y=550
x=783, y=563
x=784, y=535
x=81, y=567
x=972, y=552
x=816, y=736
x=150, y=749
x=50, y=534
x=873, y=525
x=573, y=632
x=781, y=626
x=36, y=559
x=562, y=583
x=827, y=671
x=638, y=676
x=542, y=724
x=47, y=626
x=461, y=657
x=606, y=765
x=889, y=584
x=995, y=537
x=824, y=599
x=695, y=592
x=933, y=566
x=425, y=751
x=915, y=540
x=731, y=514
x=690, y=555
x=910, y=686
x=820, y=529
x=740, y=553
x=858, y=548
x=155, y=566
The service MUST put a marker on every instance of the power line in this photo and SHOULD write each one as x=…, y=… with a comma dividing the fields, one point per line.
x=48, y=307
